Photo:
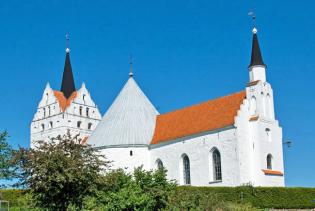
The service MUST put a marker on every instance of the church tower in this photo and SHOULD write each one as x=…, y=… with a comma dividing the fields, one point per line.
x=260, y=147
x=66, y=109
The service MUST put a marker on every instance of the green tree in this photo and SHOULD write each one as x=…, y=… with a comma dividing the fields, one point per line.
x=60, y=173
x=142, y=190
x=6, y=165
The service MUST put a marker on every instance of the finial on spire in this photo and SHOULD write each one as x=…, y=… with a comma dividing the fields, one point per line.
x=253, y=16
x=67, y=42
x=130, y=63
x=256, y=57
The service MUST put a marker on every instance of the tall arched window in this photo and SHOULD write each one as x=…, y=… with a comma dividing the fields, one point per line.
x=90, y=126
x=269, y=161
x=253, y=105
x=268, y=106
x=87, y=112
x=44, y=112
x=79, y=124
x=80, y=110
x=268, y=133
x=159, y=164
x=216, y=159
x=186, y=170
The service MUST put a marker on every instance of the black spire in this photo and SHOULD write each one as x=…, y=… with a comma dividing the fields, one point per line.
x=67, y=85
x=256, y=58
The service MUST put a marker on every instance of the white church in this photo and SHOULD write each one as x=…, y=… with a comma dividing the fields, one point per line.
x=228, y=141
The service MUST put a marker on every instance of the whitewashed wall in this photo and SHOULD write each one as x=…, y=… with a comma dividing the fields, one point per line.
x=122, y=158
x=198, y=149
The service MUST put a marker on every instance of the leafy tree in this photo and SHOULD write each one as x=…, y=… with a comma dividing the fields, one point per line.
x=6, y=164
x=60, y=173
x=144, y=190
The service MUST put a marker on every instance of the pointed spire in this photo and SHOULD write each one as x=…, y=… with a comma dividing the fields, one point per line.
x=67, y=85
x=256, y=57
x=130, y=63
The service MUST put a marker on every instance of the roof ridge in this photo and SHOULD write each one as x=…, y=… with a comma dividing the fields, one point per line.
x=200, y=103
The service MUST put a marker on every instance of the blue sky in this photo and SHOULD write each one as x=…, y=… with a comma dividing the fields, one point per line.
x=184, y=52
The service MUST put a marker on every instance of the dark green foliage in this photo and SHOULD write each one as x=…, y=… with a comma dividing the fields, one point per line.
x=7, y=167
x=60, y=173
x=260, y=197
x=125, y=196
x=12, y=196
x=144, y=190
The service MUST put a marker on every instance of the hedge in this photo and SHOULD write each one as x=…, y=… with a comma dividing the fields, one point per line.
x=11, y=195
x=260, y=197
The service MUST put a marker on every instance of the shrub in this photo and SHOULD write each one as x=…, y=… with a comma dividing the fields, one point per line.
x=260, y=197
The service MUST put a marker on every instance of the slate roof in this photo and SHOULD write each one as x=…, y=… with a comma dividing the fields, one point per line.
x=130, y=120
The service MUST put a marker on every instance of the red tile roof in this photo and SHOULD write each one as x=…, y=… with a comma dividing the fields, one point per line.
x=211, y=115
x=64, y=103
x=272, y=172
x=252, y=83
x=253, y=118
x=85, y=140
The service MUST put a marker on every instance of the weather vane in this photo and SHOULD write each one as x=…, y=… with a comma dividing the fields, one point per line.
x=253, y=16
x=130, y=62
x=67, y=42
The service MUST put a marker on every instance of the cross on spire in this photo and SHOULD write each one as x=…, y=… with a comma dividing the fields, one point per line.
x=130, y=63
x=67, y=42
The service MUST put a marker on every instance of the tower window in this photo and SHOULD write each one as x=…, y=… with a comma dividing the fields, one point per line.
x=216, y=160
x=268, y=133
x=51, y=124
x=269, y=161
x=44, y=109
x=80, y=110
x=48, y=110
x=79, y=124
x=87, y=112
x=186, y=170
x=90, y=126
x=130, y=153
x=43, y=127
x=253, y=106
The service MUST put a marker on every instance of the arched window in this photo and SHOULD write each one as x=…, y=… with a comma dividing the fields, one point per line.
x=87, y=112
x=80, y=110
x=186, y=170
x=159, y=164
x=43, y=127
x=268, y=106
x=79, y=124
x=44, y=112
x=253, y=105
x=90, y=126
x=51, y=124
x=269, y=161
x=216, y=160
x=268, y=133
x=48, y=110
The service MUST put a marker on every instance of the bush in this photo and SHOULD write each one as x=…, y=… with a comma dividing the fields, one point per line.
x=260, y=197
x=143, y=190
x=12, y=195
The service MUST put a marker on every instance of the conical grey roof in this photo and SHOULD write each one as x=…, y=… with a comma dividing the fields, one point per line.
x=130, y=120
